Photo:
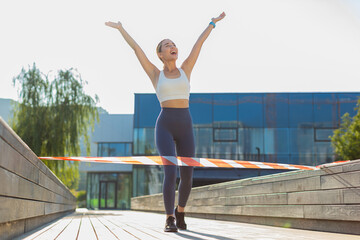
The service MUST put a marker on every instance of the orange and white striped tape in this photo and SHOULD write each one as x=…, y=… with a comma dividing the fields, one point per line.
x=185, y=161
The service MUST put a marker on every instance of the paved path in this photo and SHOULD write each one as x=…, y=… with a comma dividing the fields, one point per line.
x=109, y=225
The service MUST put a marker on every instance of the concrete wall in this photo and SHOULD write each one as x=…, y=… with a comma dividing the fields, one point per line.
x=30, y=194
x=325, y=200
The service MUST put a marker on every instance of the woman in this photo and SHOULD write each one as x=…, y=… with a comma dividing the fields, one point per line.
x=174, y=124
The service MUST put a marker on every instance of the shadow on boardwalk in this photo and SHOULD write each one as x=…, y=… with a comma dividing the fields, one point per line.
x=109, y=225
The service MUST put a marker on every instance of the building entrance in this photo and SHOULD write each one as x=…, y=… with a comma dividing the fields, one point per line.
x=106, y=190
x=107, y=195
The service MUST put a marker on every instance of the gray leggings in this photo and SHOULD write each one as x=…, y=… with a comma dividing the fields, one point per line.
x=174, y=128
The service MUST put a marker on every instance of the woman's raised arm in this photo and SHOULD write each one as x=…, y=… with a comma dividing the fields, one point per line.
x=189, y=63
x=151, y=70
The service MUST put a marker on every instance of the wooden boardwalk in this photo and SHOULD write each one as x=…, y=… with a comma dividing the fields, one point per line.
x=114, y=225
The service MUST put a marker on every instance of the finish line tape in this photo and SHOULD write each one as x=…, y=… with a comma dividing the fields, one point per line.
x=185, y=161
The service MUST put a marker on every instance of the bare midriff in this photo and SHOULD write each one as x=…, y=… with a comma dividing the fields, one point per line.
x=175, y=103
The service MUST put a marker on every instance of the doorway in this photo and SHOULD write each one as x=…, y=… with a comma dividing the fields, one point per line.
x=107, y=195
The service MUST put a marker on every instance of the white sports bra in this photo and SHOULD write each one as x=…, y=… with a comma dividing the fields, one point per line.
x=177, y=88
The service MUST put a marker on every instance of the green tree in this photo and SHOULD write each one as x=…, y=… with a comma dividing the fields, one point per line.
x=52, y=117
x=346, y=139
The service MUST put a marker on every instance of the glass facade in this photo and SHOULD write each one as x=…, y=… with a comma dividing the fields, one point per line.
x=113, y=149
x=110, y=190
x=289, y=128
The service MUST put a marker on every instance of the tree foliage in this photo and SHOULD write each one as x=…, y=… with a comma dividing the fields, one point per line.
x=346, y=139
x=53, y=115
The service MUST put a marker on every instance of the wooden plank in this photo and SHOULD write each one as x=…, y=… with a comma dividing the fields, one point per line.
x=20, y=146
x=86, y=229
x=12, y=209
x=10, y=229
x=55, y=208
x=72, y=230
x=146, y=225
x=17, y=157
x=341, y=180
x=265, y=188
x=38, y=231
x=49, y=184
x=291, y=175
x=102, y=232
x=13, y=161
x=19, y=187
x=316, y=197
x=333, y=212
x=117, y=230
x=16, y=186
x=150, y=224
x=139, y=234
x=288, y=211
x=351, y=195
x=275, y=198
x=351, y=166
x=55, y=230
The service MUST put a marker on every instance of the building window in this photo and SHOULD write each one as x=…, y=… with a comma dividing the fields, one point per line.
x=114, y=149
x=109, y=190
x=323, y=134
x=225, y=134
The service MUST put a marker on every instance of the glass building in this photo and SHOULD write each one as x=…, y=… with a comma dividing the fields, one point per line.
x=109, y=186
x=291, y=128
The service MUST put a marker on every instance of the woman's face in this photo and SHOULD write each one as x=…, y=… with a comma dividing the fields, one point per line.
x=169, y=51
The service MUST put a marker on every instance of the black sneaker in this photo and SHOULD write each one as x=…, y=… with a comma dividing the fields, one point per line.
x=170, y=225
x=180, y=221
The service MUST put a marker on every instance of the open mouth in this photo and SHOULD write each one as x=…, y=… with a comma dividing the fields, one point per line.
x=173, y=53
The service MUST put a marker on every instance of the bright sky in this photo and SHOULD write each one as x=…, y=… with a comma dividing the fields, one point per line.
x=261, y=45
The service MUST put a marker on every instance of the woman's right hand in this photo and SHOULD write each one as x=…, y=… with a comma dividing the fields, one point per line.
x=220, y=17
x=117, y=25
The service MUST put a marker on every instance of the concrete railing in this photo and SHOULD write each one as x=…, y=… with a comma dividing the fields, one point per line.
x=30, y=194
x=325, y=200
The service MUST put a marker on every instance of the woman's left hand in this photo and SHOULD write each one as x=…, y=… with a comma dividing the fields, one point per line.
x=221, y=16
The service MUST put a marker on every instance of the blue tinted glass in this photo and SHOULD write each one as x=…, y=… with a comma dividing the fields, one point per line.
x=224, y=134
x=103, y=149
x=116, y=149
x=225, y=150
x=99, y=149
x=301, y=110
x=302, y=140
x=323, y=134
x=347, y=103
x=277, y=158
x=147, y=180
x=251, y=140
x=147, y=108
x=276, y=110
x=108, y=176
x=111, y=150
x=276, y=140
x=128, y=149
x=323, y=153
x=150, y=148
x=136, y=141
x=141, y=141
x=325, y=108
x=250, y=107
x=144, y=142
x=302, y=159
x=225, y=110
x=201, y=109
x=203, y=142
